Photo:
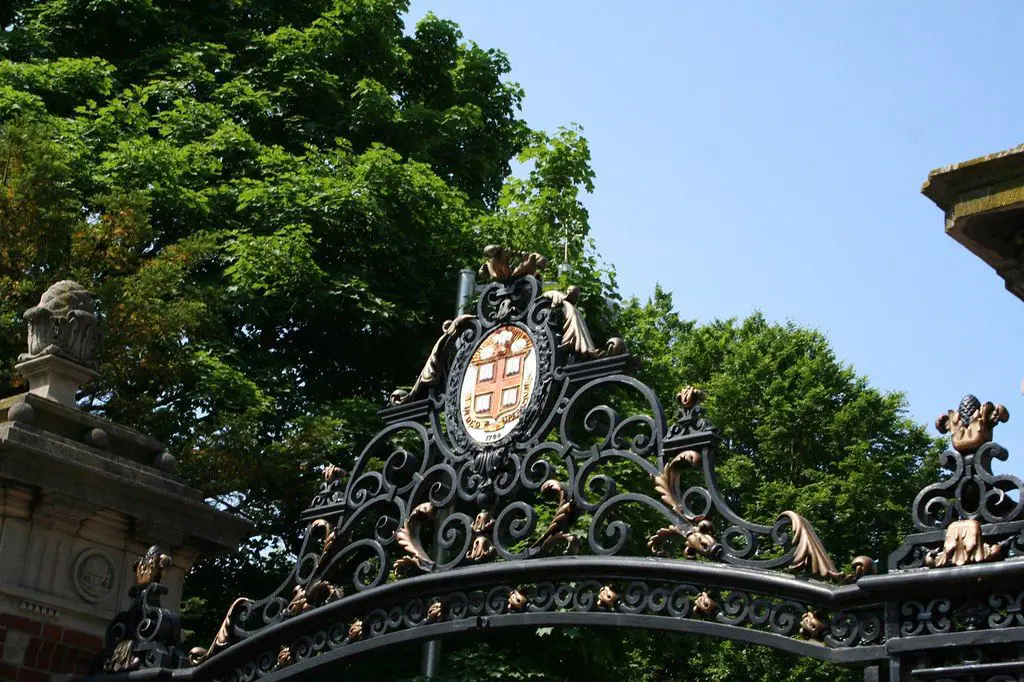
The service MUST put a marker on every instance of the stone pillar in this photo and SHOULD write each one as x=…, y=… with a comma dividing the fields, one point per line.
x=81, y=499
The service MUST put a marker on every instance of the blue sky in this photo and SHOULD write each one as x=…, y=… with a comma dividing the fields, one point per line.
x=769, y=156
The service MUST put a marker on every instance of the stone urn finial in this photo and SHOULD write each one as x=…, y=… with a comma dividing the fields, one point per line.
x=63, y=333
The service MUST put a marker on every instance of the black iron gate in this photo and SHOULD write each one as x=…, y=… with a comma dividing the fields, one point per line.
x=502, y=492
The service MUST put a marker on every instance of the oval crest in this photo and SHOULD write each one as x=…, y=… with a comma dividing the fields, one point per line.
x=497, y=384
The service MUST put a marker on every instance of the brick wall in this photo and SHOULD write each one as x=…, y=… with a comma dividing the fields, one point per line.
x=36, y=651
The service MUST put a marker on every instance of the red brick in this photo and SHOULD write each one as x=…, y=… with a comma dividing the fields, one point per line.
x=83, y=663
x=43, y=657
x=31, y=651
x=8, y=672
x=83, y=641
x=20, y=623
x=26, y=675
x=69, y=660
x=53, y=632
x=56, y=658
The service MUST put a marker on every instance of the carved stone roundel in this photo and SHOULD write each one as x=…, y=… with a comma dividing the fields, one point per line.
x=94, y=575
x=498, y=384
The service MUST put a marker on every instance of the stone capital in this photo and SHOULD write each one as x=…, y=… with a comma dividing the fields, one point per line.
x=55, y=378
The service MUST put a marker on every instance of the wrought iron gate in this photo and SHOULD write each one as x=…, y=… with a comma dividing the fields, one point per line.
x=502, y=492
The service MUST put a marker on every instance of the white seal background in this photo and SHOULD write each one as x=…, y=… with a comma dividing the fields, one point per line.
x=529, y=374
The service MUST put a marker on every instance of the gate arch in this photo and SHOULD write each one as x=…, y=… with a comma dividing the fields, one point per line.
x=503, y=490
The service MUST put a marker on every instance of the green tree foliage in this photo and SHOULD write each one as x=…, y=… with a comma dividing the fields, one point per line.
x=268, y=199
x=271, y=201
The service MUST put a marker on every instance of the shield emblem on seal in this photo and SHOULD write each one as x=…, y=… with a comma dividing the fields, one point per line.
x=498, y=384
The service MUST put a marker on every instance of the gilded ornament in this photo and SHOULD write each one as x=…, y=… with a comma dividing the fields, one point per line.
x=481, y=548
x=963, y=545
x=565, y=515
x=970, y=425
x=319, y=593
x=430, y=375
x=516, y=601
x=811, y=626
x=499, y=269
x=355, y=631
x=150, y=568
x=698, y=540
x=284, y=658
x=690, y=396
x=575, y=334
x=704, y=604
x=226, y=635
x=408, y=537
x=809, y=554
x=435, y=612
x=666, y=483
x=607, y=597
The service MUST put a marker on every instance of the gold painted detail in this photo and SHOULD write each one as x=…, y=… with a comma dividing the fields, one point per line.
x=811, y=626
x=690, y=396
x=963, y=545
x=122, y=659
x=970, y=425
x=607, y=597
x=667, y=482
x=150, y=568
x=516, y=601
x=481, y=549
x=284, y=658
x=566, y=513
x=704, y=604
x=698, y=540
x=498, y=268
x=575, y=334
x=430, y=375
x=306, y=599
x=334, y=473
x=355, y=631
x=226, y=635
x=408, y=537
x=811, y=557
x=435, y=612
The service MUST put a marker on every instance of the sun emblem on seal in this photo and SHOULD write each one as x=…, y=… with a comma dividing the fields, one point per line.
x=498, y=383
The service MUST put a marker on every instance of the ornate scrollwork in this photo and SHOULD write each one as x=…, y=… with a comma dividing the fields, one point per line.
x=146, y=635
x=408, y=537
x=516, y=404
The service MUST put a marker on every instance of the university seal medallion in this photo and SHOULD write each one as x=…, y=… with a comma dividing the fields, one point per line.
x=498, y=383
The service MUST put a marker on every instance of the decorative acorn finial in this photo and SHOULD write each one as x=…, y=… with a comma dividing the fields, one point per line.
x=970, y=425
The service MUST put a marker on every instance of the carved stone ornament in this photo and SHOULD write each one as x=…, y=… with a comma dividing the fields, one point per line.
x=970, y=425
x=93, y=575
x=63, y=324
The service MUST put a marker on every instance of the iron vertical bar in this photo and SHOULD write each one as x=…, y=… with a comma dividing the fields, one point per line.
x=432, y=649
